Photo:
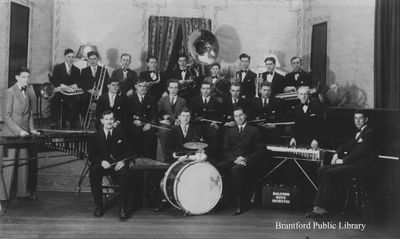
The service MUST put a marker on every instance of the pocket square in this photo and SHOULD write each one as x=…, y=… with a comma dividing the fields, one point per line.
x=312, y=115
x=119, y=141
x=119, y=107
x=360, y=140
x=148, y=106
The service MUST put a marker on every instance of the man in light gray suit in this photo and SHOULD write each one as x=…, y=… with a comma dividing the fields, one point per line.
x=18, y=122
x=168, y=108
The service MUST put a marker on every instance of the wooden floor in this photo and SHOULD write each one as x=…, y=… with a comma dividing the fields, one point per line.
x=65, y=215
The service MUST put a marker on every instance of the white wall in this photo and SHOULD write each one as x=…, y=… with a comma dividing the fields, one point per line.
x=350, y=46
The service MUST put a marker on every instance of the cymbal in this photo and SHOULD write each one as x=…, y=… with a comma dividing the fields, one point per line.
x=195, y=145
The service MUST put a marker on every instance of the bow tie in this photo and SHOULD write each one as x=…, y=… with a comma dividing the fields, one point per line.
x=23, y=88
x=214, y=77
x=152, y=72
x=244, y=71
x=124, y=69
x=296, y=72
x=269, y=73
x=305, y=104
x=184, y=70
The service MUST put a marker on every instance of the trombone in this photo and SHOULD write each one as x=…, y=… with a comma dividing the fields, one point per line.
x=97, y=87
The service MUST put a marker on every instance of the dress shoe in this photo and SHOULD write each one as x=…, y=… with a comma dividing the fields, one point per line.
x=31, y=197
x=3, y=207
x=238, y=209
x=98, y=212
x=123, y=213
x=163, y=205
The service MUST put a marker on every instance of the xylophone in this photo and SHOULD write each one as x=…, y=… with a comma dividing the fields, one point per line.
x=307, y=154
x=74, y=143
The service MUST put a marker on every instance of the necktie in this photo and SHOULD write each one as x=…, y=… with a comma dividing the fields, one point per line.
x=112, y=100
x=240, y=129
x=172, y=100
x=141, y=99
x=108, y=139
x=184, y=131
x=265, y=103
x=235, y=102
x=69, y=70
x=205, y=101
x=94, y=71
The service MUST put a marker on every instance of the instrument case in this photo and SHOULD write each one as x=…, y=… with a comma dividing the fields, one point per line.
x=280, y=197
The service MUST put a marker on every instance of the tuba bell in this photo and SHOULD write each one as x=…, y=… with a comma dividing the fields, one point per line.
x=203, y=46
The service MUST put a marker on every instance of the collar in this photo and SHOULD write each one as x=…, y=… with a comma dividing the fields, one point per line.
x=233, y=100
x=208, y=98
x=184, y=126
x=20, y=86
x=140, y=95
x=106, y=131
x=67, y=66
x=362, y=128
x=243, y=125
x=111, y=94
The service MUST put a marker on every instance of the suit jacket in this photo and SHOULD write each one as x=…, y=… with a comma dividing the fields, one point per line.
x=247, y=144
x=103, y=104
x=18, y=111
x=165, y=108
x=191, y=90
x=360, y=150
x=211, y=110
x=100, y=150
x=87, y=81
x=176, y=140
x=220, y=88
x=227, y=107
x=60, y=75
x=125, y=84
x=307, y=125
x=248, y=86
x=277, y=84
x=146, y=111
x=272, y=113
x=157, y=89
x=304, y=78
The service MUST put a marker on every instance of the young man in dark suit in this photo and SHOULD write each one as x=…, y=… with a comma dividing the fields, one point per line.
x=353, y=159
x=65, y=79
x=243, y=149
x=155, y=79
x=188, y=79
x=298, y=77
x=179, y=135
x=207, y=107
x=18, y=121
x=219, y=85
x=90, y=76
x=169, y=108
x=125, y=76
x=113, y=101
x=247, y=77
x=107, y=150
x=276, y=80
x=141, y=112
x=230, y=103
x=308, y=120
x=270, y=109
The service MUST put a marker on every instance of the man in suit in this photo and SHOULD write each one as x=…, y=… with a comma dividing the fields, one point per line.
x=247, y=77
x=207, y=107
x=141, y=112
x=113, y=101
x=219, y=85
x=65, y=79
x=243, y=150
x=90, y=76
x=188, y=79
x=180, y=134
x=298, y=77
x=107, y=150
x=308, y=120
x=125, y=76
x=168, y=109
x=270, y=109
x=355, y=158
x=276, y=80
x=231, y=102
x=154, y=78
x=18, y=121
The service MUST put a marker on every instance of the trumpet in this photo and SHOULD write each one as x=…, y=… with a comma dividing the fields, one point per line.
x=258, y=81
x=97, y=87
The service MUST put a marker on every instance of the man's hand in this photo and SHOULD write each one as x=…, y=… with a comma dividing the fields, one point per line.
x=129, y=93
x=230, y=124
x=146, y=127
x=165, y=94
x=334, y=158
x=137, y=123
x=165, y=122
x=292, y=142
x=23, y=133
x=241, y=161
x=314, y=144
x=105, y=164
x=181, y=82
x=269, y=125
x=119, y=165
x=214, y=125
x=289, y=89
x=116, y=123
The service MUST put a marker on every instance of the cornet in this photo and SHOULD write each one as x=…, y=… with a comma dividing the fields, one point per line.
x=258, y=81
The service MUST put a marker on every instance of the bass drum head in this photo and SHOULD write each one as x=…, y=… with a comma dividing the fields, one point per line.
x=199, y=188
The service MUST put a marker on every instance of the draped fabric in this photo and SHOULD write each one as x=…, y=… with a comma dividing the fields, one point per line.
x=169, y=36
x=387, y=54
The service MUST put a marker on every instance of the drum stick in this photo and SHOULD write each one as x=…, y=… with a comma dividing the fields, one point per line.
x=279, y=123
x=211, y=121
x=256, y=121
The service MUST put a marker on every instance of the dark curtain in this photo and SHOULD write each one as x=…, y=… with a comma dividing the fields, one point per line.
x=387, y=54
x=168, y=37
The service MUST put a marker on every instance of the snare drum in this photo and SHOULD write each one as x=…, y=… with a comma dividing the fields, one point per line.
x=197, y=156
x=192, y=186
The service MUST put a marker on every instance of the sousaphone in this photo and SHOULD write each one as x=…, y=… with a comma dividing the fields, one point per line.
x=203, y=46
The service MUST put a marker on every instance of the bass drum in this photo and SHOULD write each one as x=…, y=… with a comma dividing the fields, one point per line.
x=192, y=186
